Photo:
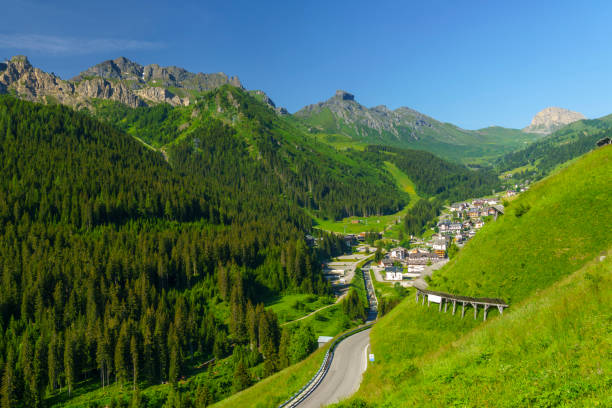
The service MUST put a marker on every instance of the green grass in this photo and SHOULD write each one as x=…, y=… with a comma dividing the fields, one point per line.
x=292, y=307
x=435, y=359
x=527, y=167
x=327, y=322
x=506, y=362
x=375, y=223
x=567, y=223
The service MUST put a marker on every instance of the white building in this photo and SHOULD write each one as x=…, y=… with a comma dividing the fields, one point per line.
x=398, y=253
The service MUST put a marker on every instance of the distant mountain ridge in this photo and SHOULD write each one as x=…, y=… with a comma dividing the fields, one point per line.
x=551, y=119
x=379, y=118
x=406, y=127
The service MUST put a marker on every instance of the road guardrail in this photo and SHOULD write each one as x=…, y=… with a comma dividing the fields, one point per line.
x=316, y=379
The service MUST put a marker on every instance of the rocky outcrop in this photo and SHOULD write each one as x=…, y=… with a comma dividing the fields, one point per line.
x=551, y=119
x=263, y=97
x=144, y=76
x=155, y=95
x=344, y=96
x=102, y=89
x=34, y=84
x=119, y=80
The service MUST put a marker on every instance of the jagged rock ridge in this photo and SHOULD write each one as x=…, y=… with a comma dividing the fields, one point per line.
x=551, y=119
x=345, y=109
x=119, y=80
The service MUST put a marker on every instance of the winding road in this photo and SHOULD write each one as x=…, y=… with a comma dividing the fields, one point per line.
x=345, y=372
x=350, y=359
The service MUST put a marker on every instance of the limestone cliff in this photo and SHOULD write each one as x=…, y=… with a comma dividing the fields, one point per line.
x=551, y=119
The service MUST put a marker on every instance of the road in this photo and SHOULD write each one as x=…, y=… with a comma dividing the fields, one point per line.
x=345, y=372
x=348, y=363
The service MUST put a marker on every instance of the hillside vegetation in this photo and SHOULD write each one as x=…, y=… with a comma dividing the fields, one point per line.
x=407, y=128
x=543, y=156
x=548, y=232
x=424, y=357
x=311, y=174
x=552, y=350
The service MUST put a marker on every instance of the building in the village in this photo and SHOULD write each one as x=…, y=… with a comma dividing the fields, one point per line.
x=394, y=273
x=439, y=245
x=398, y=253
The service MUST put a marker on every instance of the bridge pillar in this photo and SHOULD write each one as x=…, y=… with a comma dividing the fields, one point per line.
x=440, y=305
x=445, y=305
x=454, y=306
x=475, y=306
x=486, y=307
x=462, y=309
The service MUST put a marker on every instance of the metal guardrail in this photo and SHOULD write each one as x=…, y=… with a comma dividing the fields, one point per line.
x=306, y=390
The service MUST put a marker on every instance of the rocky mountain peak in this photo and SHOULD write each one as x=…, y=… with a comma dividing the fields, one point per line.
x=344, y=96
x=551, y=119
x=21, y=60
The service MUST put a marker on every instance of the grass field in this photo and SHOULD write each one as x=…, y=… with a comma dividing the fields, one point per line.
x=291, y=307
x=435, y=359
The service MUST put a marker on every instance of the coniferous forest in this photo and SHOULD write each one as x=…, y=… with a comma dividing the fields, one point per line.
x=118, y=265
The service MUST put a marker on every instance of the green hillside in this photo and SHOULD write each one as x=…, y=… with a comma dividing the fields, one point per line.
x=329, y=183
x=545, y=236
x=552, y=350
x=541, y=157
x=407, y=128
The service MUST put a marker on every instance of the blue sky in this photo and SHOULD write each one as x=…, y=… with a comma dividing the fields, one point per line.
x=471, y=63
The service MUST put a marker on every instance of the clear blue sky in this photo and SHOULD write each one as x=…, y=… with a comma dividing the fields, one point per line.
x=471, y=63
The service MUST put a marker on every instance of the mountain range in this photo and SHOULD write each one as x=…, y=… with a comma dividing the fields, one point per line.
x=341, y=119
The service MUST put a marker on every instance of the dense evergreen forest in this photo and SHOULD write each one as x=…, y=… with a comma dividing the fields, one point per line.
x=435, y=177
x=312, y=175
x=118, y=265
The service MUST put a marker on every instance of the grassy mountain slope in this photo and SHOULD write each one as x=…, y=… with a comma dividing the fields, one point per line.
x=553, y=349
x=513, y=258
x=563, y=223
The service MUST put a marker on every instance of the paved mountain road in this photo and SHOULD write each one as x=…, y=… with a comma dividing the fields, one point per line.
x=345, y=372
x=348, y=364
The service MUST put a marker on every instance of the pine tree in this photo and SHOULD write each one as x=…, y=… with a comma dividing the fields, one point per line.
x=242, y=378
x=135, y=360
x=69, y=363
x=174, y=370
x=121, y=364
x=8, y=382
x=203, y=397
x=39, y=379
x=53, y=362
x=237, y=306
x=284, y=358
